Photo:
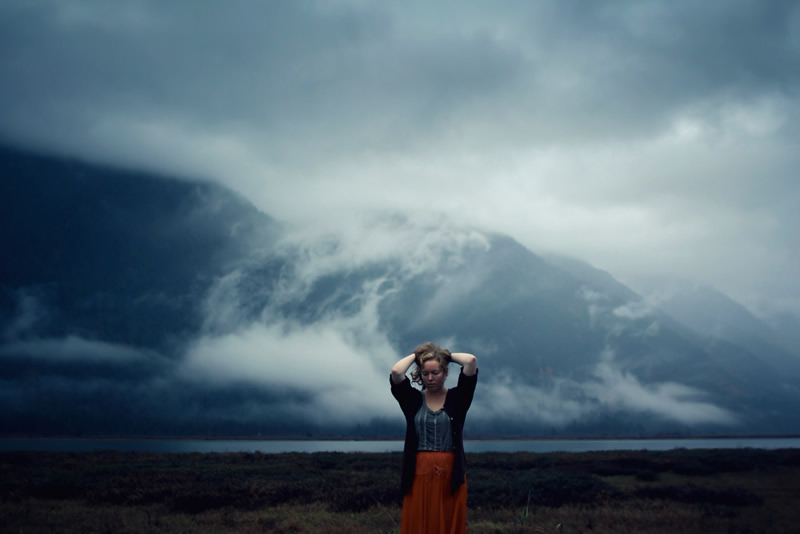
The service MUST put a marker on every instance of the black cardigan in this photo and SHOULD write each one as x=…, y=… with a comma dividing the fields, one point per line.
x=456, y=404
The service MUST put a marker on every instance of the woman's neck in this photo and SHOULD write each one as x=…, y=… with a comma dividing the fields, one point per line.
x=435, y=400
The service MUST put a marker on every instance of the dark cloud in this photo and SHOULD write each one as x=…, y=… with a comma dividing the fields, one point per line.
x=302, y=71
x=316, y=68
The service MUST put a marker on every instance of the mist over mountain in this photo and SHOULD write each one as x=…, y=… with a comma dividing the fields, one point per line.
x=140, y=304
x=715, y=315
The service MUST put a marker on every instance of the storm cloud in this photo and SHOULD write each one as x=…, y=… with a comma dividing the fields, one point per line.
x=646, y=138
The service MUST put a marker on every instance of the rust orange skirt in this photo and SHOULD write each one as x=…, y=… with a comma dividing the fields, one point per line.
x=429, y=508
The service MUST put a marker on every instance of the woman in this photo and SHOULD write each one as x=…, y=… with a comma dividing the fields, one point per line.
x=434, y=468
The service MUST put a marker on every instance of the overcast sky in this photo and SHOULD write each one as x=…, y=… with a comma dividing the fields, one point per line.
x=646, y=137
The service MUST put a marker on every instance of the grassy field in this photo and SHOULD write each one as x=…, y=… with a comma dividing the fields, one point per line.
x=680, y=491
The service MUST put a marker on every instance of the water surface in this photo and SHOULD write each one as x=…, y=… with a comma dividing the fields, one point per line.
x=280, y=446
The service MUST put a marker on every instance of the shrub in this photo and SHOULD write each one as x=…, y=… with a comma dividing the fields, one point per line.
x=361, y=498
x=689, y=493
x=554, y=488
x=646, y=475
x=546, y=488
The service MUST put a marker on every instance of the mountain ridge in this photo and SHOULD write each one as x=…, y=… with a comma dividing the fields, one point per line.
x=120, y=287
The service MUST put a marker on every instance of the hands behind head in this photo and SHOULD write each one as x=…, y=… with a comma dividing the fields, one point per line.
x=442, y=354
x=447, y=356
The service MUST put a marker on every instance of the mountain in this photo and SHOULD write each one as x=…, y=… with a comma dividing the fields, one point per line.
x=787, y=330
x=103, y=277
x=743, y=374
x=711, y=313
x=117, y=255
x=139, y=304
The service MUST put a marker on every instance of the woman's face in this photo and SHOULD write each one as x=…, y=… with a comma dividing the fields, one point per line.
x=433, y=375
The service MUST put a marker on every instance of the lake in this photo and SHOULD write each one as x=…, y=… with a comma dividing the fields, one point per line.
x=279, y=446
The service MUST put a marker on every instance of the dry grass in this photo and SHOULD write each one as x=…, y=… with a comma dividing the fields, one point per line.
x=732, y=491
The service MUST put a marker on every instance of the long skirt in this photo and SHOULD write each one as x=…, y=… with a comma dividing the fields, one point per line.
x=429, y=508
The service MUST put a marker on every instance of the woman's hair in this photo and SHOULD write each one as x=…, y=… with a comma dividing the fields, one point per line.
x=427, y=352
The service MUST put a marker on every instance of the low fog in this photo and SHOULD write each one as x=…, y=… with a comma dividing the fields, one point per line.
x=341, y=360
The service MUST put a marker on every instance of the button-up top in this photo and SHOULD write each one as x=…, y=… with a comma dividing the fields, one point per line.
x=433, y=429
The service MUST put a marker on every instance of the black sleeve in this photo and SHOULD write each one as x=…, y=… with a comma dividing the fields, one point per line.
x=406, y=395
x=466, y=389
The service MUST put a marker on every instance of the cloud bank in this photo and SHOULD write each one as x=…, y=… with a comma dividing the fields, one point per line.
x=645, y=138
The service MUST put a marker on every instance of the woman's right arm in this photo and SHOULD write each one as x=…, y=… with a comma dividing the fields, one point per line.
x=400, y=369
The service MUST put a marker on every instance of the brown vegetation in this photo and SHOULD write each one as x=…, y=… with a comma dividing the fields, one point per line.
x=727, y=490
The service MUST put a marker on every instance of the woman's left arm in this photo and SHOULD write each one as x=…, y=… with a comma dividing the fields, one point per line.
x=468, y=362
